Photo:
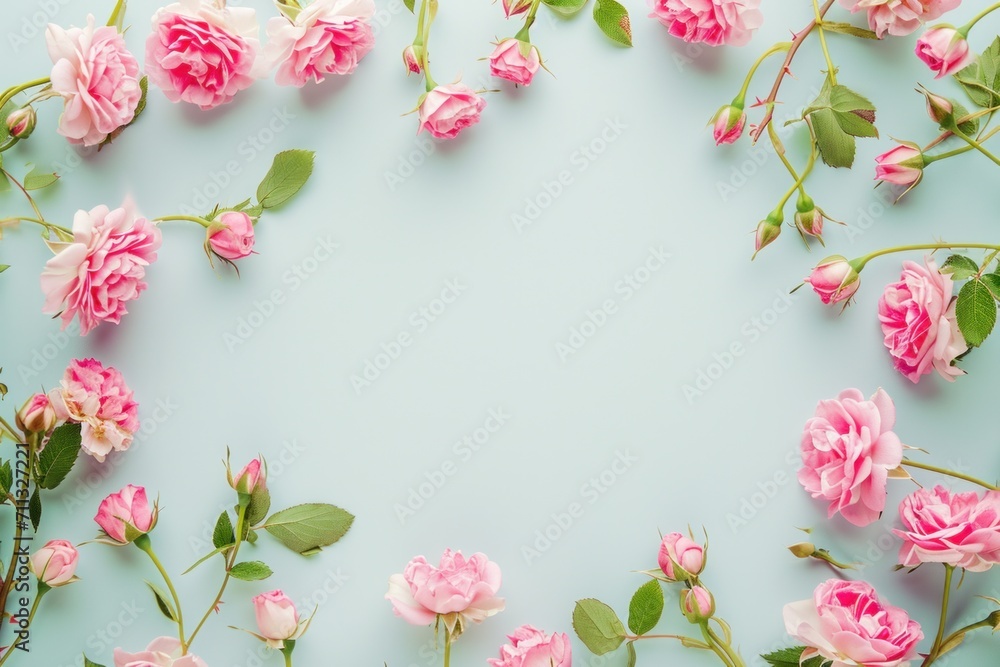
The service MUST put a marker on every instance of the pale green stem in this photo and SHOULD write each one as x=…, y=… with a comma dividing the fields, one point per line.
x=949, y=571
x=144, y=543
x=831, y=70
x=950, y=473
x=9, y=94
x=186, y=218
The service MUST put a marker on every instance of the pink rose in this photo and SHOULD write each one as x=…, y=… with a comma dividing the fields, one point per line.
x=903, y=165
x=834, y=279
x=37, y=415
x=459, y=589
x=728, y=124
x=252, y=478
x=97, y=78
x=447, y=110
x=681, y=557
x=848, y=449
x=712, y=22
x=945, y=50
x=958, y=529
x=845, y=622
x=101, y=270
x=162, y=652
x=697, y=604
x=530, y=647
x=230, y=235
x=98, y=398
x=515, y=61
x=203, y=52
x=919, y=324
x=126, y=515
x=899, y=17
x=327, y=37
x=55, y=563
x=277, y=619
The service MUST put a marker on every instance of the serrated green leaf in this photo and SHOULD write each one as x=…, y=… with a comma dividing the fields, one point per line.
x=959, y=267
x=976, y=312
x=7, y=110
x=844, y=99
x=838, y=115
x=790, y=657
x=981, y=79
x=613, y=20
x=251, y=570
x=87, y=662
x=646, y=607
x=289, y=172
x=6, y=480
x=409, y=5
x=35, y=509
x=36, y=180
x=836, y=147
x=223, y=534
x=968, y=127
x=59, y=455
x=565, y=7
x=163, y=602
x=597, y=626
x=260, y=504
x=307, y=528
x=992, y=282
x=631, y=655
x=848, y=29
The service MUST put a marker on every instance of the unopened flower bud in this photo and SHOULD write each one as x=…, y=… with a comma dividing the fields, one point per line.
x=941, y=110
x=808, y=218
x=21, y=122
x=768, y=230
x=728, y=124
x=252, y=478
x=834, y=279
x=697, y=604
x=37, y=415
x=903, y=165
x=412, y=57
x=803, y=549
x=515, y=7
x=681, y=557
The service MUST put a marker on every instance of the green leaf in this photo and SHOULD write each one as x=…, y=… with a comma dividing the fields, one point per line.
x=848, y=29
x=981, y=79
x=959, y=267
x=87, y=662
x=992, y=282
x=959, y=111
x=838, y=115
x=409, y=5
x=307, y=528
x=36, y=180
x=163, y=602
x=4, y=267
x=646, y=607
x=565, y=7
x=7, y=110
x=59, y=455
x=631, y=654
x=597, y=626
x=289, y=172
x=789, y=657
x=6, y=479
x=251, y=570
x=612, y=18
x=260, y=503
x=836, y=147
x=223, y=534
x=976, y=312
x=35, y=509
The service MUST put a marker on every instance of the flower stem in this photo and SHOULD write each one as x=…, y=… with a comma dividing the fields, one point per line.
x=19, y=524
x=432, y=7
x=949, y=473
x=447, y=647
x=9, y=94
x=10, y=430
x=859, y=263
x=949, y=571
x=724, y=645
x=230, y=561
x=185, y=218
x=964, y=30
x=146, y=545
x=529, y=21
x=799, y=181
x=60, y=231
x=780, y=47
x=831, y=70
x=31, y=617
x=975, y=144
x=31, y=200
x=707, y=634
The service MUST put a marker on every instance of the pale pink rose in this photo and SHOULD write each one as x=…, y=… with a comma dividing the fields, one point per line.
x=698, y=604
x=728, y=125
x=848, y=624
x=944, y=50
x=54, y=564
x=161, y=652
x=834, y=279
x=98, y=398
x=515, y=7
x=449, y=109
x=848, y=449
x=530, y=647
x=918, y=321
x=37, y=415
x=681, y=557
x=97, y=78
x=712, y=22
x=230, y=235
x=202, y=52
x=899, y=17
x=459, y=589
x=508, y=61
x=959, y=529
x=253, y=477
x=902, y=165
x=126, y=514
x=327, y=37
x=277, y=619
x=101, y=270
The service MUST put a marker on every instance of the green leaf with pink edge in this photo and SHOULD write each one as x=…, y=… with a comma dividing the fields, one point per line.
x=613, y=20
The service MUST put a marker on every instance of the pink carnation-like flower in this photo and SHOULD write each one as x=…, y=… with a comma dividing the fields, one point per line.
x=847, y=624
x=327, y=37
x=959, y=529
x=848, y=449
x=530, y=647
x=899, y=17
x=918, y=320
x=712, y=22
x=449, y=109
x=161, y=652
x=98, y=79
x=101, y=270
x=98, y=398
x=202, y=52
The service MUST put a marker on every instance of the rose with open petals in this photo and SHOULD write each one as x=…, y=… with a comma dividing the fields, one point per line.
x=203, y=52
x=847, y=624
x=101, y=270
x=161, y=652
x=515, y=61
x=918, y=321
x=848, y=449
x=959, y=529
x=126, y=515
x=458, y=590
x=447, y=110
x=98, y=79
x=530, y=647
x=899, y=17
x=327, y=37
x=712, y=22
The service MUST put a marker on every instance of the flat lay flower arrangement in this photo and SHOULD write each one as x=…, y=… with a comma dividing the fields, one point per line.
x=204, y=55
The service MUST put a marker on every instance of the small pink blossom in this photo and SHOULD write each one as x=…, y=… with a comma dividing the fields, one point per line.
x=698, y=604
x=834, y=280
x=944, y=50
x=728, y=125
x=230, y=235
x=55, y=563
x=530, y=647
x=959, y=529
x=515, y=61
x=161, y=652
x=712, y=22
x=899, y=17
x=126, y=515
x=449, y=109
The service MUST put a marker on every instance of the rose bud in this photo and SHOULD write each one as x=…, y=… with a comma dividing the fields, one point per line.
x=55, y=563
x=728, y=124
x=515, y=7
x=21, y=123
x=945, y=50
x=515, y=61
x=412, y=56
x=447, y=110
x=252, y=478
x=768, y=230
x=834, y=279
x=903, y=165
x=37, y=415
x=230, y=235
x=681, y=557
x=808, y=218
x=126, y=515
x=939, y=109
x=277, y=619
x=803, y=549
x=697, y=604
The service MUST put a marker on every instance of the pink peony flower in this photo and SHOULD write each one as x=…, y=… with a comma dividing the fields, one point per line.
x=202, y=52
x=98, y=398
x=846, y=623
x=97, y=78
x=162, y=652
x=37, y=415
x=447, y=110
x=899, y=17
x=55, y=563
x=126, y=515
x=95, y=275
x=848, y=449
x=903, y=165
x=230, y=236
x=918, y=320
x=277, y=619
x=327, y=37
x=681, y=557
x=728, y=125
x=459, y=590
x=944, y=50
x=712, y=22
x=530, y=647
x=514, y=62
x=834, y=279
x=958, y=529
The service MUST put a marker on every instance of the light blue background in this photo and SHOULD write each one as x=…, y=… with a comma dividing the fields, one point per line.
x=405, y=224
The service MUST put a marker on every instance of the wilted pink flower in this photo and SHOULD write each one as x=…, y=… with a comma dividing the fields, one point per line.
x=712, y=22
